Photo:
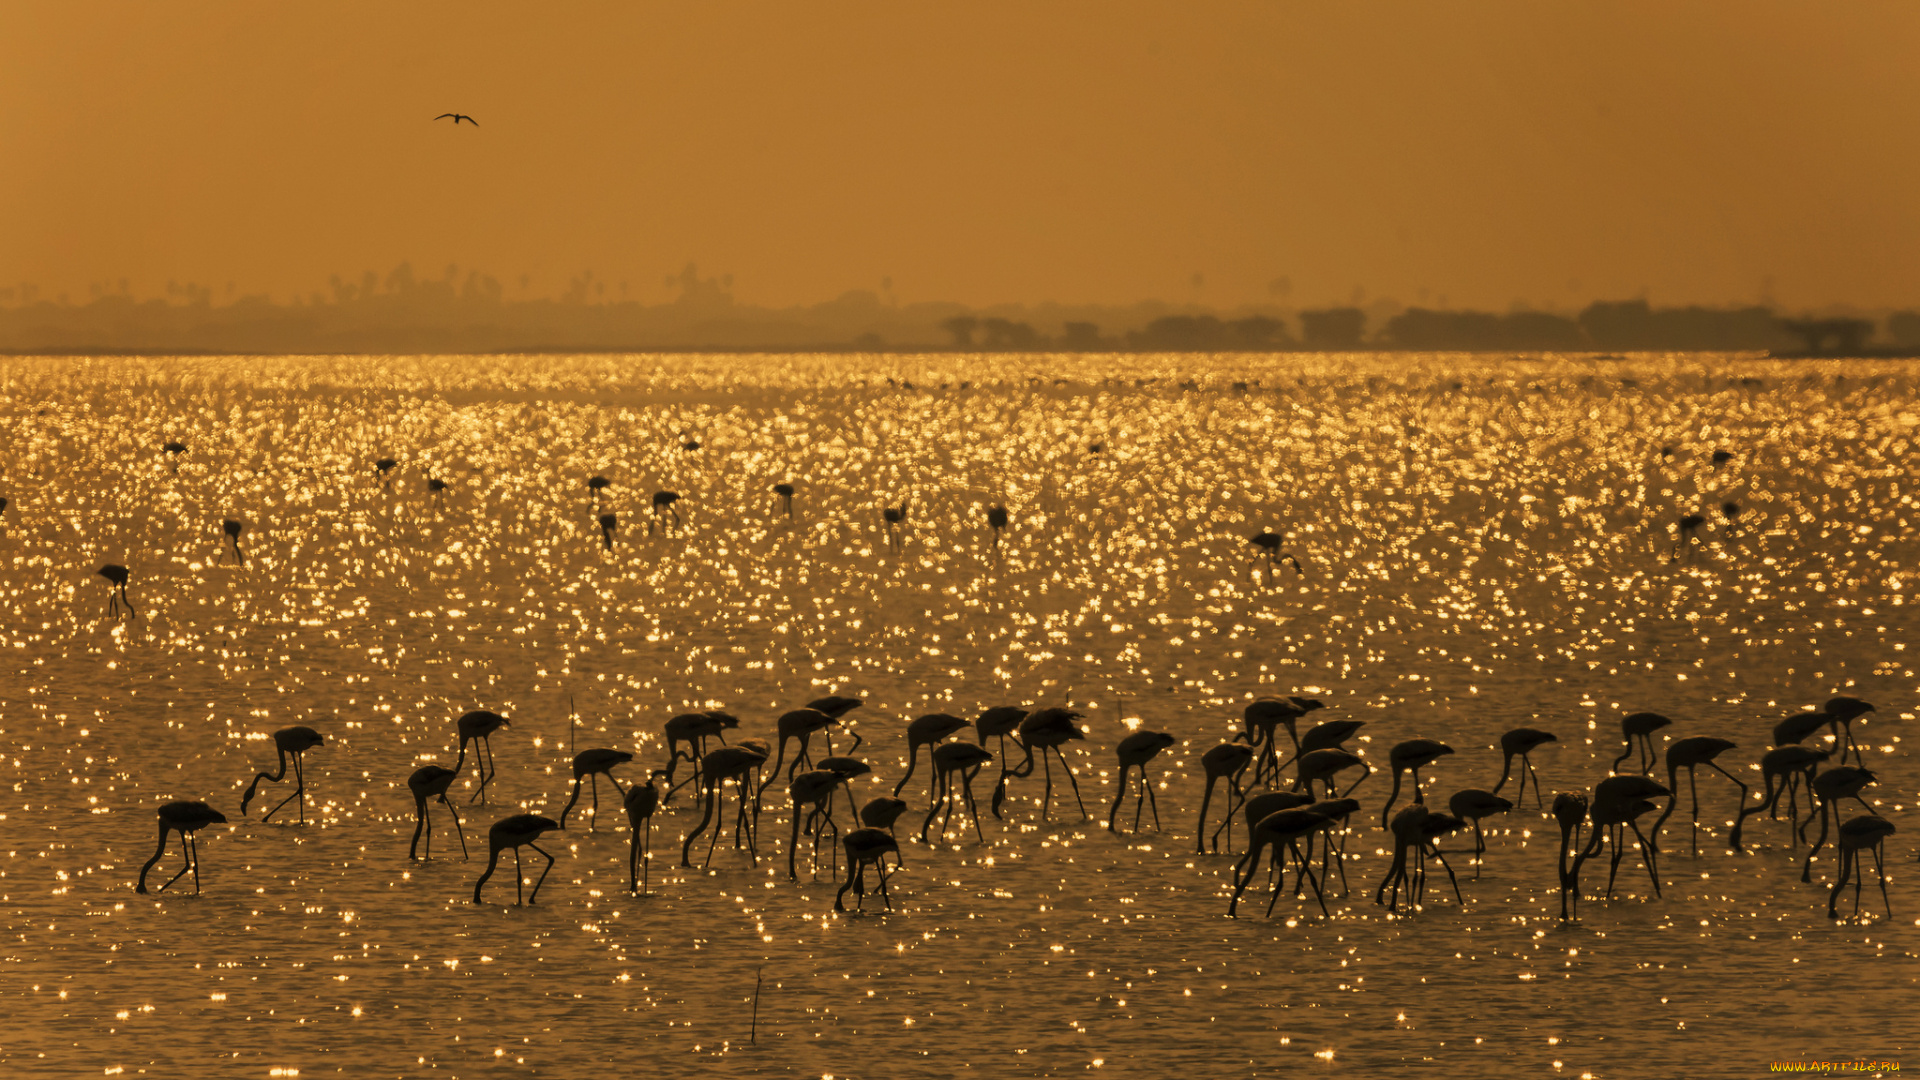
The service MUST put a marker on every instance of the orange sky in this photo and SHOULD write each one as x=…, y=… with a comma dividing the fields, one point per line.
x=1547, y=152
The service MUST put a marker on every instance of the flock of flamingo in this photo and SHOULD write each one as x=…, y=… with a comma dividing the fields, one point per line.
x=1304, y=822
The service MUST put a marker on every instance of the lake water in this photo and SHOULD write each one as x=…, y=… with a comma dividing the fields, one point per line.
x=1485, y=543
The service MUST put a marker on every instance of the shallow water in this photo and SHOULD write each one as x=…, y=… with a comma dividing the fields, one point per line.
x=1485, y=543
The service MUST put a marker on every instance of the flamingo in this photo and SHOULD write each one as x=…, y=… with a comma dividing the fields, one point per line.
x=288, y=742
x=1520, y=742
x=896, y=516
x=1257, y=807
x=1322, y=765
x=432, y=782
x=1134, y=752
x=640, y=801
x=185, y=818
x=174, y=450
x=1789, y=767
x=1414, y=831
x=1866, y=832
x=382, y=468
x=796, y=726
x=1282, y=831
x=1839, y=782
x=967, y=760
x=1618, y=804
x=785, y=491
x=480, y=724
x=727, y=763
x=693, y=729
x=881, y=812
x=663, y=503
x=1691, y=754
x=1326, y=735
x=592, y=764
x=1472, y=805
x=866, y=847
x=996, y=520
x=1411, y=756
x=596, y=485
x=1225, y=761
x=516, y=832
x=927, y=730
x=117, y=577
x=1269, y=543
x=1844, y=711
x=813, y=792
x=1689, y=533
x=233, y=529
x=1048, y=729
x=1796, y=727
x=999, y=721
x=608, y=523
x=1640, y=726
x=1570, y=810
x=1263, y=716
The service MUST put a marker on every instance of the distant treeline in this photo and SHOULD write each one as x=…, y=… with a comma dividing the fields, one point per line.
x=403, y=312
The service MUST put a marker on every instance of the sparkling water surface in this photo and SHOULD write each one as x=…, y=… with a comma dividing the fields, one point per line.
x=1485, y=542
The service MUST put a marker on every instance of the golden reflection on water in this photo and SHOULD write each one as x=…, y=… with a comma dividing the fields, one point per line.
x=1483, y=543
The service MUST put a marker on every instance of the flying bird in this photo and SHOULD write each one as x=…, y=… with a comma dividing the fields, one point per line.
x=457, y=117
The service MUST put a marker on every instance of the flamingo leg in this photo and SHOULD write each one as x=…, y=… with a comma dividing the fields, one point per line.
x=186, y=855
x=543, y=874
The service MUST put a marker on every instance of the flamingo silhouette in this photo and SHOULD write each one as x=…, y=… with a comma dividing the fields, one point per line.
x=289, y=742
x=185, y=818
x=607, y=524
x=641, y=801
x=1263, y=717
x=967, y=760
x=596, y=485
x=727, y=763
x=1844, y=711
x=1048, y=729
x=457, y=117
x=1689, y=535
x=1570, y=810
x=881, y=812
x=896, y=516
x=663, y=503
x=1521, y=742
x=432, y=782
x=174, y=450
x=1414, y=831
x=996, y=520
x=1225, y=761
x=1321, y=766
x=1639, y=727
x=1785, y=766
x=927, y=730
x=1134, y=752
x=798, y=727
x=1410, y=757
x=382, y=468
x=998, y=722
x=592, y=764
x=785, y=491
x=866, y=847
x=233, y=529
x=1282, y=831
x=117, y=577
x=1690, y=754
x=516, y=832
x=813, y=792
x=1269, y=544
x=1472, y=805
x=1796, y=727
x=480, y=724
x=1866, y=832
x=693, y=729
x=1839, y=782
x=1618, y=804
x=1326, y=735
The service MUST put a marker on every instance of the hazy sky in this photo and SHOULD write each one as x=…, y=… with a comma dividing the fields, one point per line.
x=1543, y=151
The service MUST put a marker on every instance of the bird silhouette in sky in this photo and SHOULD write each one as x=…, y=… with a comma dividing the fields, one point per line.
x=457, y=117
